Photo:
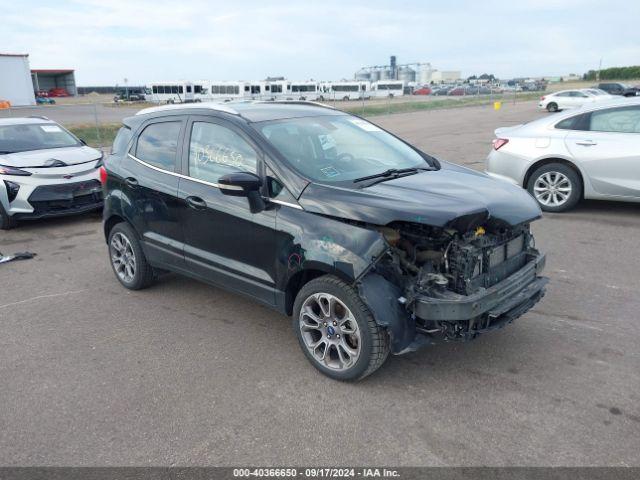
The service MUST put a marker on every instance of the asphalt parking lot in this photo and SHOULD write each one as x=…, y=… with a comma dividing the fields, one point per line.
x=187, y=374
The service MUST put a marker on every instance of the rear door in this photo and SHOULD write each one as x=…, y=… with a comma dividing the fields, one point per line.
x=608, y=149
x=225, y=243
x=150, y=184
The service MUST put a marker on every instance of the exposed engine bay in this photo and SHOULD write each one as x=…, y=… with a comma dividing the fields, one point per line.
x=444, y=265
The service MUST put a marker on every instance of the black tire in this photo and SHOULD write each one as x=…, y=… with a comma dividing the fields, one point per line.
x=7, y=222
x=552, y=107
x=144, y=274
x=374, y=346
x=575, y=184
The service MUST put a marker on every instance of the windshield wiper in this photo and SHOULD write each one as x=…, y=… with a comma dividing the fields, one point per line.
x=392, y=173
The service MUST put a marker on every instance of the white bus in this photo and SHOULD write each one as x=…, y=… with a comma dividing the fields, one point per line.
x=226, y=91
x=345, y=91
x=309, y=91
x=171, y=92
x=388, y=88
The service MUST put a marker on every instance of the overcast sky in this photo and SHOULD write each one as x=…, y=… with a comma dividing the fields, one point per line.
x=145, y=40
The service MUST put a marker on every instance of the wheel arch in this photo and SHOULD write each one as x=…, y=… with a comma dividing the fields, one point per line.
x=111, y=222
x=546, y=161
x=300, y=278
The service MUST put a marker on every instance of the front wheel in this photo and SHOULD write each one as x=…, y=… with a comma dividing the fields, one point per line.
x=336, y=330
x=556, y=187
x=7, y=222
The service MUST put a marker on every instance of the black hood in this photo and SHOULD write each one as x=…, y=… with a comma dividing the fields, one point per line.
x=452, y=197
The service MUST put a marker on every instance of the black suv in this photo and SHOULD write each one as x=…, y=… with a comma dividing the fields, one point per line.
x=370, y=244
x=614, y=88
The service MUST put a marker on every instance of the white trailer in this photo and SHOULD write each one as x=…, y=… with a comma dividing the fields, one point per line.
x=352, y=90
x=171, y=92
x=388, y=88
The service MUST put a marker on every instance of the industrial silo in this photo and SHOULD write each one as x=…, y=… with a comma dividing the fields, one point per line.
x=363, y=75
x=406, y=74
x=424, y=73
x=375, y=75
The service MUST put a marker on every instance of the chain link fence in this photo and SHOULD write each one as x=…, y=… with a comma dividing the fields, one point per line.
x=98, y=122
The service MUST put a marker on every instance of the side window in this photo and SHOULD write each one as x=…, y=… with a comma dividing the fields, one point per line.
x=158, y=145
x=215, y=150
x=568, y=123
x=277, y=190
x=620, y=120
x=563, y=94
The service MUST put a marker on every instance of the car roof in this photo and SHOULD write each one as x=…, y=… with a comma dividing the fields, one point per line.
x=252, y=111
x=25, y=120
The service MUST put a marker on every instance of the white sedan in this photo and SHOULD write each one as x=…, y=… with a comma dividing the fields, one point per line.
x=566, y=99
x=591, y=153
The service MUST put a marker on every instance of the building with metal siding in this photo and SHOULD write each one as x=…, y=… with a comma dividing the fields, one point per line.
x=46, y=79
x=15, y=79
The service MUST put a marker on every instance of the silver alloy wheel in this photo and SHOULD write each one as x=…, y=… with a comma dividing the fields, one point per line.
x=552, y=189
x=330, y=331
x=123, y=258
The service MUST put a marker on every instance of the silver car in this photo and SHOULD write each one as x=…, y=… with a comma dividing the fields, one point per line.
x=45, y=171
x=592, y=152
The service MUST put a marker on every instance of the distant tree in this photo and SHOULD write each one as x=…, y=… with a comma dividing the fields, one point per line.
x=614, y=73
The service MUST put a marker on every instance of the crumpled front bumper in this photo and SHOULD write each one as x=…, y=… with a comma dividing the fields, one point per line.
x=499, y=304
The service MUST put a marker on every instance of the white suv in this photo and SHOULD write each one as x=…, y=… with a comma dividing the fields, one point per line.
x=45, y=171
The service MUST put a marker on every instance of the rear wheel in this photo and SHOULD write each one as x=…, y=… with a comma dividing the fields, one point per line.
x=552, y=107
x=127, y=258
x=336, y=330
x=556, y=187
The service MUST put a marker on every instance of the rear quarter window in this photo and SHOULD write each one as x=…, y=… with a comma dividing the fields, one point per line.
x=121, y=141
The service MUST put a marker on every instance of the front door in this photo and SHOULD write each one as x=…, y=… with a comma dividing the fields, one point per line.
x=609, y=150
x=225, y=243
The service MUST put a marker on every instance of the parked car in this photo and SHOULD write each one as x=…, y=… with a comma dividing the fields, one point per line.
x=423, y=91
x=457, y=91
x=566, y=99
x=616, y=88
x=130, y=95
x=592, y=153
x=45, y=101
x=45, y=171
x=477, y=90
x=58, y=92
x=370, y=244
x=439, y=91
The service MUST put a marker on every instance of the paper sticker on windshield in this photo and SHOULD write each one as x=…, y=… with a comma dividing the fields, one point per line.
x=326, y=141
x=51, y=128
x=330, y=172
x=369, y=127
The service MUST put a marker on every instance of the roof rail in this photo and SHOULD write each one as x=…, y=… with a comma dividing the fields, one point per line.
x=182, y=106
x=297, y=102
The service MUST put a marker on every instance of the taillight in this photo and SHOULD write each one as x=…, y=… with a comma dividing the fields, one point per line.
x=103, y=175
x=498, y=143
x=542, y=98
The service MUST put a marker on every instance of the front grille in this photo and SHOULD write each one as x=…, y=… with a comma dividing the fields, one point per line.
x=51, y=199
x=485, y=261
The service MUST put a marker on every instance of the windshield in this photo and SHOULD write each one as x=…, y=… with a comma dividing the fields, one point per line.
x=333, y=149
x=22, y=138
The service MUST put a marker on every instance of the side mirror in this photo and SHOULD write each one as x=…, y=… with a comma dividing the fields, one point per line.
x=243, y=184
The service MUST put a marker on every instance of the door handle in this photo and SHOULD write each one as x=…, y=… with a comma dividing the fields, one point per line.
x=196, y=203
x=132, y=182
x=586, y=143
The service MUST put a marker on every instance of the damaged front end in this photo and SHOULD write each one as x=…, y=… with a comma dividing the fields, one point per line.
x=452, y=283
